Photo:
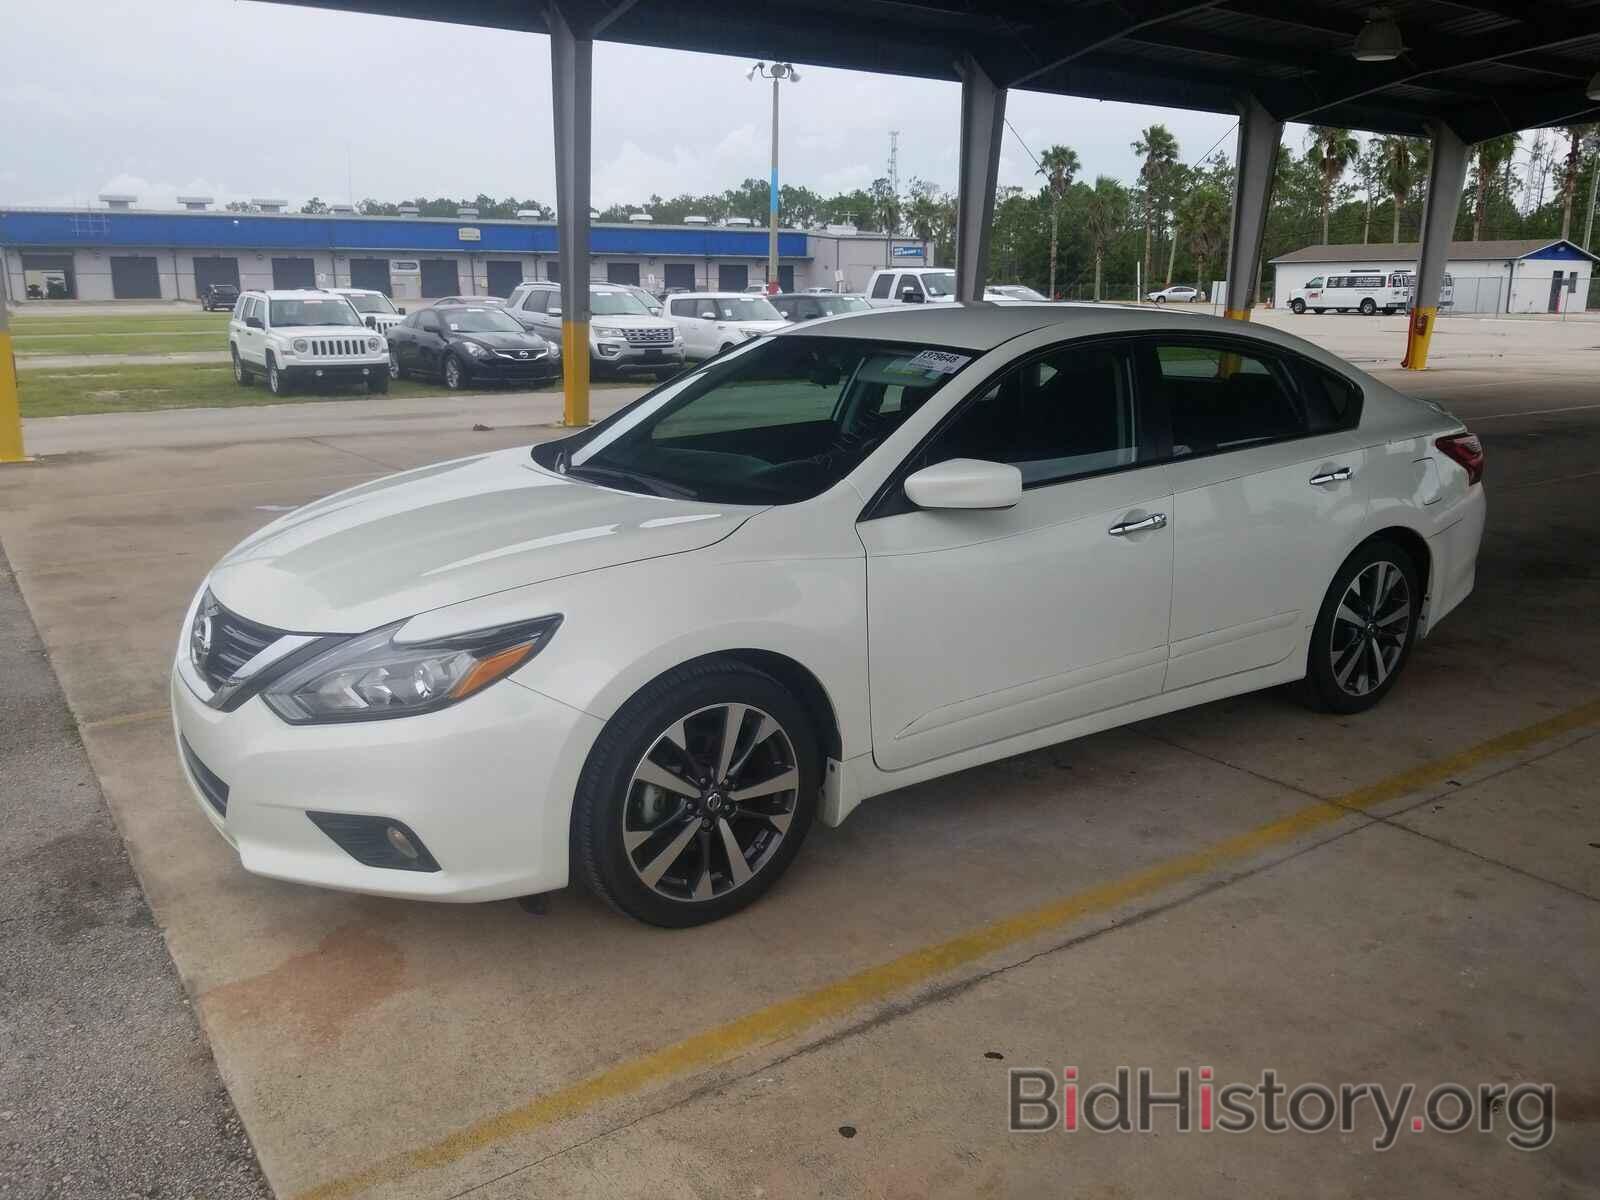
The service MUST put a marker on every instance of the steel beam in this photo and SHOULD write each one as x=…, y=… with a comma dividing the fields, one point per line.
x=571, y=60
x=1447, y=172
x=1256, y=158
x=983, y=115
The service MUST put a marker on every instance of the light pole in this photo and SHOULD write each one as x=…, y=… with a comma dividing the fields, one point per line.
x=777, y=72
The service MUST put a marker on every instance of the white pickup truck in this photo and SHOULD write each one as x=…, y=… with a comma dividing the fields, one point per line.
x=911, y=285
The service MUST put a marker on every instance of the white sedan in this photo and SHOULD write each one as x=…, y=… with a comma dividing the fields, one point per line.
x=865, y=552
x=1180, y=294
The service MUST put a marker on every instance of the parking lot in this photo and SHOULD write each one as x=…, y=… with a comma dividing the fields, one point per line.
x=1405, y=896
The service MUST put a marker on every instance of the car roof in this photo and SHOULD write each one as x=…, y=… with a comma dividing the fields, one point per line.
x=719, y=295
x=293, y=293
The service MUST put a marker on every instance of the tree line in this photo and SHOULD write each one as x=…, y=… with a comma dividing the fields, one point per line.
x=1072, y=238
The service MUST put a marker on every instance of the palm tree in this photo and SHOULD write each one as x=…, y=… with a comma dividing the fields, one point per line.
x=1491, y=155
x=1398, y=175
x=1332, y=149
x=1058, y=165
x=1205, y=216
x=1159, y=149
x=1104, y=212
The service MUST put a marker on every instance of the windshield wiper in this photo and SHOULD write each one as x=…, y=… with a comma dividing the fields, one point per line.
x=648, y=483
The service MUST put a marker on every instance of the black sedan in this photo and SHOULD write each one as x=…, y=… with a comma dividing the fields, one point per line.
x=464, y=344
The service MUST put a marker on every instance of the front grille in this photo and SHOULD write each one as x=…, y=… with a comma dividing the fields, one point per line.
x=337, y=347
x=211, y=787
x=520, y=355
x=234, y=642
x=648, y=337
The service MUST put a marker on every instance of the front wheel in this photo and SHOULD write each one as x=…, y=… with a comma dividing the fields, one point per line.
x=1364, y=630
x=1368, y=307
x=396, y=371
x=1161, y=299
x=455, y=375
x=697, y=794
x=277, y=382
x=1297, y=307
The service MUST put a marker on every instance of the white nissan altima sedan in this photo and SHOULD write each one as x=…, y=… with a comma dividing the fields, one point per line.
x=869, y=551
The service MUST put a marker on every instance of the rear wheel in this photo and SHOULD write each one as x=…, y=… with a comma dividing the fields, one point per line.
x=241, y=373
x=1368, y=307
x=1364, y=630
x=697, y=794
x=1297, y=306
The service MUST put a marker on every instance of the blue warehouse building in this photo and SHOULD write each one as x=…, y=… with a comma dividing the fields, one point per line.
x=124, y=253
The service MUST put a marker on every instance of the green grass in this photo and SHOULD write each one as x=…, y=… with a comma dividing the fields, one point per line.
x=122, y=343
x=23, y=324
x=115, y=389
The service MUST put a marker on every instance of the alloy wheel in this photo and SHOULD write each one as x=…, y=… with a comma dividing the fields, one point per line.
x=1370, y=628
x=238, y=368
x=710, y=802
x=394, y=365
x=452, y=373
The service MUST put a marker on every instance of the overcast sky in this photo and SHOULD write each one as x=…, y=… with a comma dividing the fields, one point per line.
x=236, y=99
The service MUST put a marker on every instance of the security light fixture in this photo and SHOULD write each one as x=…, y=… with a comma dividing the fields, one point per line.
x=1379, y=39
x=1593, y=90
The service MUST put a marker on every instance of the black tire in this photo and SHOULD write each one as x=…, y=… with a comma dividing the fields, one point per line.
x=606, y=794
x=453, y=372
x=241, y=373
x=396, y=371
x=1297, y=307
x=1340, y=646
x=277, y=381
x=1161, y=299
x=1388, y=312
x=378, y=385
x=1368, y=307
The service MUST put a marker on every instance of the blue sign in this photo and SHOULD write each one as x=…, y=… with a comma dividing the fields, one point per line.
x=907, y=250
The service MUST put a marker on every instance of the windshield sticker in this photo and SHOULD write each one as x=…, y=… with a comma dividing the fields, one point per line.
x=940, y=362
x=455, y=325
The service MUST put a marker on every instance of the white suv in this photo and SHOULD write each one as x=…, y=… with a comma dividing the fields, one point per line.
x=301, y=337
x=711, y=322
x=377, y=310
x=623, y=337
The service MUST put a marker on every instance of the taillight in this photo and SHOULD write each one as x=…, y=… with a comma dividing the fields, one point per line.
x=1466, y=449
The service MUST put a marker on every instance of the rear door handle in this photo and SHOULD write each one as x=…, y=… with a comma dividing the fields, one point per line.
x=1153, y=521
x=1335, y=476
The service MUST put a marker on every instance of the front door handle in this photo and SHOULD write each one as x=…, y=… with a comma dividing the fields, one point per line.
x=1153, y=521
x=1335, y=476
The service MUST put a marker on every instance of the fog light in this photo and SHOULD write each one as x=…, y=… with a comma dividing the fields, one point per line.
x=319, y=372
x=376, y=841
x=398, y=839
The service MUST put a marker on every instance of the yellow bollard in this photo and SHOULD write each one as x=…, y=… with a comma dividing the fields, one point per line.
x=1418, y=333
x=575, y=372
x=10, y=405
x=1236, y=314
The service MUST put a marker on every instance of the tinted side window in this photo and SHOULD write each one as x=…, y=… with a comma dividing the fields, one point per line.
x=1332, y=402
x=684, y=308
x=1226, y=398
x=429, y=322
x=1070, y=412
x=880, y=286
x=910, y=283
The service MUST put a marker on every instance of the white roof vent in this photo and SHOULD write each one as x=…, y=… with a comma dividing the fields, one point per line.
x=739, y=223
x=195, y=203
x=268, y=205
x=468, y=212
x=697, y=220
x=640, y=218
x=344, y=209
x=529, y=214
x=118, y=199
x=409, y=210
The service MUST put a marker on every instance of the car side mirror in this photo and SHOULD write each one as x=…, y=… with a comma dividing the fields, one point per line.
x=965, y=483
x=555, y=310
x=254, y=322
x=707, y=314
x=911, y=295
x=401, y=311
x=372, y=322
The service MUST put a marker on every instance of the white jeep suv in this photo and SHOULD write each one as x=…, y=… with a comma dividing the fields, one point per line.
x=377, y=310
x=624, y=337
x=301, y=337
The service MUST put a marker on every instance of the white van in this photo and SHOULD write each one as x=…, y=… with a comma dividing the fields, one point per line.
x=1364, y=289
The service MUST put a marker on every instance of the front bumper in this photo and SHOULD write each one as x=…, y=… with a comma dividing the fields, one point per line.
x=309, y=371
x=625, y=357
x=509, y=370
x=486, y=785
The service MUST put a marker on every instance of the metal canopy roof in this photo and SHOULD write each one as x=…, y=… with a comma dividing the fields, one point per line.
x=1486, y=66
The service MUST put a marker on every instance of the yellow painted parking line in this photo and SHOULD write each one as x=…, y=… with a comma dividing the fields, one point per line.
x=877, y=983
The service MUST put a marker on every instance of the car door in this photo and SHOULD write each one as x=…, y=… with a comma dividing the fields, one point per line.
x=429, y=343
x=988, y=624
x=252, y=338
x=1268, y=495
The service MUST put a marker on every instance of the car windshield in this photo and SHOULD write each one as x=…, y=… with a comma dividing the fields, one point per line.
x=478, y=320
x=616, y=304
x=939, y=283
x=745, y=308
x=778, y=421
x=834, y=305
x=334, y=310
x=375, y=302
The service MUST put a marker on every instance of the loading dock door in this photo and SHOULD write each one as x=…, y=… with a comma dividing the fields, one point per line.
x=294, y=273
x=732, y=277
x=440, y=277
x=214, y=270
x=680, y=275
x=52, y=274
x=623, y=273
x=504, y=277
x=785, y=277
x=372, y=274
x=1557, y=286
x=135, y=279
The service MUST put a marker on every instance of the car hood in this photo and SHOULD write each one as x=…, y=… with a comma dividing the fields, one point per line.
x=319, y=331
x=631, y=321
x=454, y=531
x=503, y=341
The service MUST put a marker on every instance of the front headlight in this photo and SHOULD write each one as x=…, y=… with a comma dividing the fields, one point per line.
x=374, y=345
x=752, y=333
x=474, y=349
x=301, y=345
x=373, y=677
x=609, y=331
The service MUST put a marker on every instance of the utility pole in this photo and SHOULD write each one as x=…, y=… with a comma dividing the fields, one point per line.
x=894, y=176
x=1594, y=180
x=777, y=72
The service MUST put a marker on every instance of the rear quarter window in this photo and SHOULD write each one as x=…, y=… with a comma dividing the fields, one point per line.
x=1333, y=403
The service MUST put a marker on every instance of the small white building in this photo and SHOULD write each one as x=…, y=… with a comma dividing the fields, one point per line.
x=1521, y=275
